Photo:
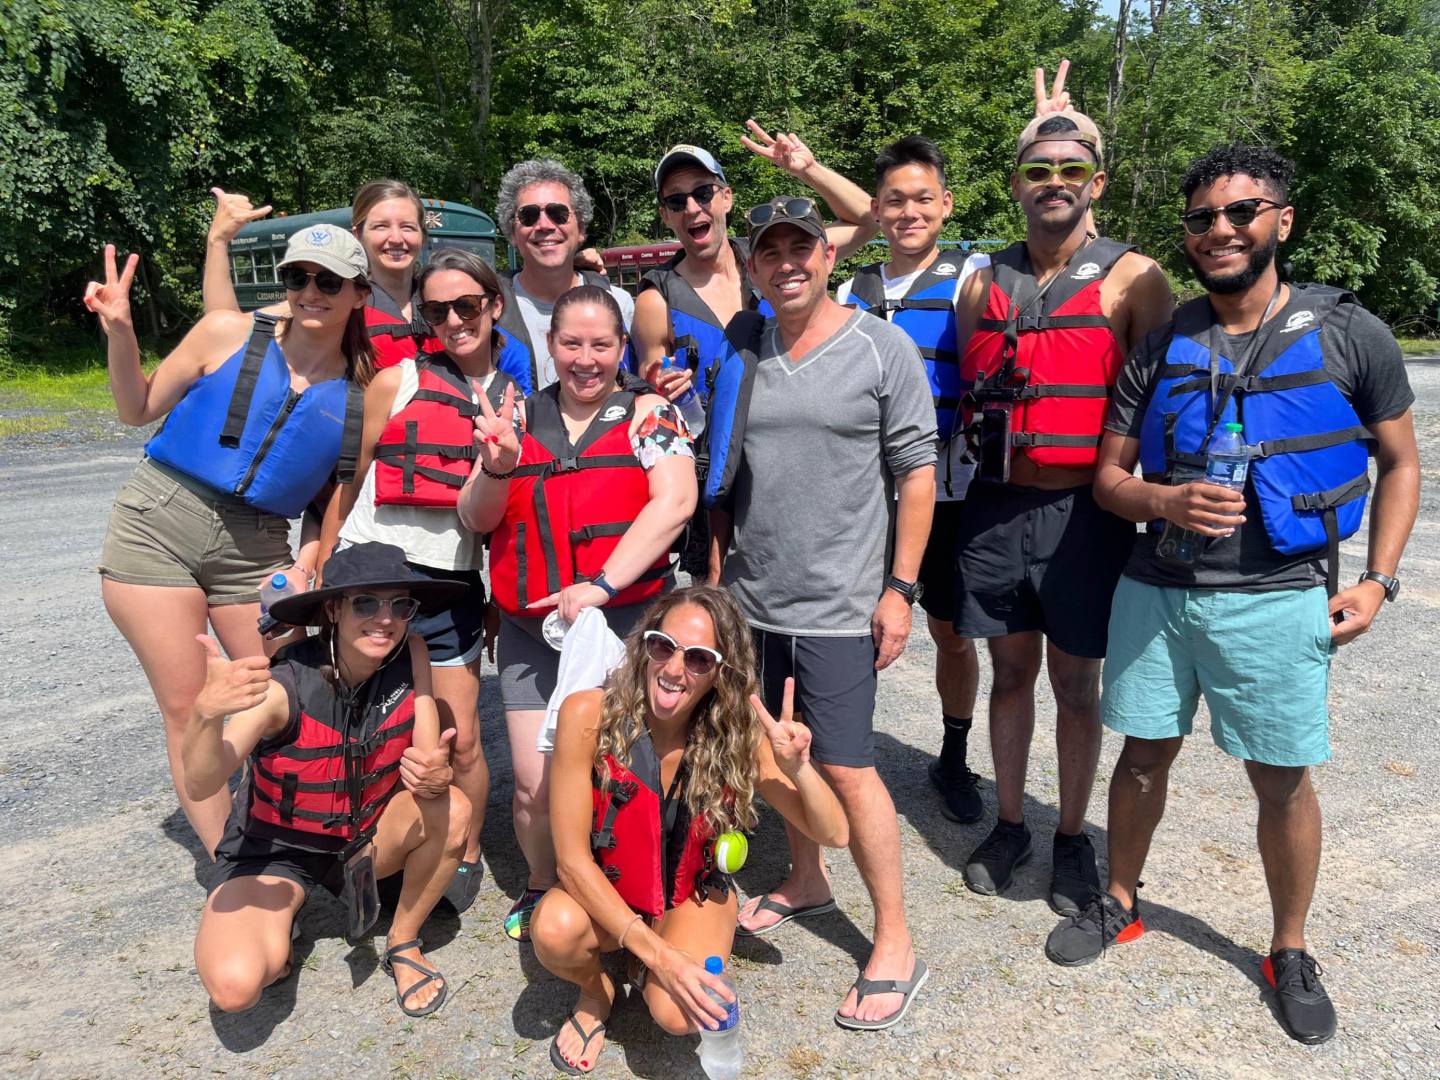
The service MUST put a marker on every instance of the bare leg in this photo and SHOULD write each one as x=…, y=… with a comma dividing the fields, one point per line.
x=457, y=695
x=530, y=805
x=1137, y=803
x=1288, y=832
x=875, y=844
x=569, y=943
x=702, y=930
x=1076, y=683
x=1016, y=662
x=957, y=669
x=244, y=941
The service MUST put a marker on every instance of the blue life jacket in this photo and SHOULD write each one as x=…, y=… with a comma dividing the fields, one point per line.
x=698, y=334
x=1309, y=450
x=517, y=351
x=927, y=313
x=244, y=432
x=732, y=383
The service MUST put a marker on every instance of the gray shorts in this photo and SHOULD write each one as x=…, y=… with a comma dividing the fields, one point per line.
x=835, y=681
x=527, y=663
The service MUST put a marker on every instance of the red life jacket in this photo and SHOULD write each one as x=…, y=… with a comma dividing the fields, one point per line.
x=569, y=505
x=1052, y=349
x=426, y=451
x=299, y=789
x=395, y=339
x=630, y=841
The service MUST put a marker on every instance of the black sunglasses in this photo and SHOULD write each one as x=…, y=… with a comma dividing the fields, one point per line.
x=797, y=207
x=699, y=660
x=327, y=281
x=367, y=606
x=529, y=214
x=681, y=199
x=1239, y=213
x=469, y=306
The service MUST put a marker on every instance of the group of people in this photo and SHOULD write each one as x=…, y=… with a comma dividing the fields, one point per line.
x=961, y=432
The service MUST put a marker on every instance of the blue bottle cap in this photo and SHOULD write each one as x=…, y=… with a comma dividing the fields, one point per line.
x=714, y=965
x=279, y=581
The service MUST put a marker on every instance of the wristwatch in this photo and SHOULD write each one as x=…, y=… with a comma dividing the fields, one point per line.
x=1385, y=581
x=910, y=590
x=599, y=581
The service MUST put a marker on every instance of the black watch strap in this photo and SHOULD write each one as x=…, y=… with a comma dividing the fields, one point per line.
x=1385, y=581
x=910, y=590
x=600, y=580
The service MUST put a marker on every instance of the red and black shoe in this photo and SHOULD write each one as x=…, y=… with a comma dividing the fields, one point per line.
x=1306, y=1011
x=1103, y=922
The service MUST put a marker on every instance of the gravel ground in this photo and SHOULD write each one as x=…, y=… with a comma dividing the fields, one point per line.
x=102, y=901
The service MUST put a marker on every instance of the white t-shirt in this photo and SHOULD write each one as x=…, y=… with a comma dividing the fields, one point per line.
x=536, y=314
x=952, y=473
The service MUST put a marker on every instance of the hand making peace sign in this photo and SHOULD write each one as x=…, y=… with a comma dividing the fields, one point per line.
x=111, y=301
x=789, y=740
x=1057, y=100
x=496, y=442
x=785, y=150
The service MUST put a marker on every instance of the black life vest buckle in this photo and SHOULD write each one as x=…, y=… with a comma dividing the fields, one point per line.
x=564, y=465
x=622, y=791
x=602, y=840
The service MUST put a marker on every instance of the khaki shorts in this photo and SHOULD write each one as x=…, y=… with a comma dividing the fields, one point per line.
x=162, y=533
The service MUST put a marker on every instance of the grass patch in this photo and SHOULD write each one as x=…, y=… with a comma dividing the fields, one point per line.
x=1419, y=346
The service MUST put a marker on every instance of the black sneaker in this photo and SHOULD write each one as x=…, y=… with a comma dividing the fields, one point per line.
x=1074, y=879
x=959, y=795
x=991, y=866
x=1083, y=937
x=1306, y=1011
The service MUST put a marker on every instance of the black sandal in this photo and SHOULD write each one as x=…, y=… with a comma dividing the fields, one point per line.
x=558, y=1059
x=431, y=975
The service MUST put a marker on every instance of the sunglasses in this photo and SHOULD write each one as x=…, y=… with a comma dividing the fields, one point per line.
x=327, y=281
x=699, y=660
x=788, y=208
x=1240, y=213
x=401, y=608
x=529, y=215
x=681, y=199
x=1071, y=172
x=469, y=306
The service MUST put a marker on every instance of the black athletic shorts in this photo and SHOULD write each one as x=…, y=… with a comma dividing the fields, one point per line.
x=308, y=869
x=937, y=567
x=834, y=691
x=455, y=636
x=1029, y=559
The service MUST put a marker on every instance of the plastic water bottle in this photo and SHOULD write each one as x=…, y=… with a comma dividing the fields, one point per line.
x=1229, y=460
x=277, y=588
x=721, y=1055
x=689, y=403
x=554, y=629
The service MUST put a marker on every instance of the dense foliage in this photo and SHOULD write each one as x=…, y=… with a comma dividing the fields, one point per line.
x=116, y=116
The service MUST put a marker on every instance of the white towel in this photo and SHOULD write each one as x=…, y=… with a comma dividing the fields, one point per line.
x=590, y=653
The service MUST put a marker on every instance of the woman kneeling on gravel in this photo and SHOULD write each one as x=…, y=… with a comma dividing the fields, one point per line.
x=651, y=770
x=323, y=729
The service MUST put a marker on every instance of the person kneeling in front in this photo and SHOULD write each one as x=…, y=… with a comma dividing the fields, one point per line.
x=650, y=770
x=324, y=731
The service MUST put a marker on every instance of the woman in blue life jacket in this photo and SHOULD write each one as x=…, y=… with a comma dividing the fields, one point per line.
x=319, y=733
x=256, y=416
x=415, y=452
x=668, y=756
x=582, y=501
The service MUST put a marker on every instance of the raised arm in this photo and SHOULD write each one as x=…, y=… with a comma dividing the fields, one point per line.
x=379, y=400
x=217, y=291
x=257, y=706
x=851, y=203
x=425, y=736
x=787, y=780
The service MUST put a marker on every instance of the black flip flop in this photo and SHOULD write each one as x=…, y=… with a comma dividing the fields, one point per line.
x=558, y=1059
x=388, y=962
x=864, y=987
x=786, y=913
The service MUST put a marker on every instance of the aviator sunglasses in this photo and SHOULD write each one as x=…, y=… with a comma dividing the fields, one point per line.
x=367, y=606
x=1240, y=213
x=327, y=281
x=529, y=214
x=788, y=208
x=468, y=306
x=1071, y=172
x=699, y=660
x=678, y=201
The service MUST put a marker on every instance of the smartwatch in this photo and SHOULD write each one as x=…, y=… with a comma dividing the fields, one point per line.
x=1385, y=581
x=609, y=590
x=910, y=590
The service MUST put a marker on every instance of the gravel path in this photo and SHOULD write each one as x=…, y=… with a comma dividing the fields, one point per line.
x=101, y=900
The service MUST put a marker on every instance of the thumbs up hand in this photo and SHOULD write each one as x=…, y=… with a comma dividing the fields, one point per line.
x=231, y=686
x=427, y=773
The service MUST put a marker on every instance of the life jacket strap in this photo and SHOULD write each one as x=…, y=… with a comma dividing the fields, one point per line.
x=350, y=433
x=603, y=839
x=290, y=783
x=262, y=333
x=546, y=469
x=1064, y=390
x=1336, y=496
x=1030, y=323
x=1032, y=438
x=463, y=406
x=1251, y=384
x=1300, y=443
x=609, y=528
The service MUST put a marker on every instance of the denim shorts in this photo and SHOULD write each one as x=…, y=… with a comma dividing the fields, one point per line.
x=1262, y=660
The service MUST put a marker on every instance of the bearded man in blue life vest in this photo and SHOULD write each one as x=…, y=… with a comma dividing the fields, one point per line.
x=1232, y=591
x=1046, y=328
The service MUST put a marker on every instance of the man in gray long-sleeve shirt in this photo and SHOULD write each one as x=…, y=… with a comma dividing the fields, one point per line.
x=840, y=419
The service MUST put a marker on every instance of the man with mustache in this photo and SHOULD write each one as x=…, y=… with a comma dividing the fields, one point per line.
x=1037, y=560
x=1307, y=377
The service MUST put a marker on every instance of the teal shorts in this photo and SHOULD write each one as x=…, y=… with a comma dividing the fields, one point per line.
x=1262, y=661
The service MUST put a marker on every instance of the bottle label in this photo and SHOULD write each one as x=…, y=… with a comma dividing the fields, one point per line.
x=732, y=1016
x=1228, y=472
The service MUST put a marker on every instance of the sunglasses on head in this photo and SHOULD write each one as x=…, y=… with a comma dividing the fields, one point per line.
x=327, y=281
x=469, y=306
x=367, y=606
x=681, y=199
x=529, y=215
x=1071, y=172
x=797, y=207
x=699, y=660
x=1240, y=213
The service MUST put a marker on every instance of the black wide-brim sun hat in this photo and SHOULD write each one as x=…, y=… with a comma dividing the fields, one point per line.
x=366, y=566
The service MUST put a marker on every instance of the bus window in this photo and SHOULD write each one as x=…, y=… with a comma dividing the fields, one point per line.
x=265, y=266
x=242, y=268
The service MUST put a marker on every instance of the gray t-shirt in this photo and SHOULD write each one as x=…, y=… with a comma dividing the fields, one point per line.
x=536, y=314
x=1365, y=364
x=825, y=438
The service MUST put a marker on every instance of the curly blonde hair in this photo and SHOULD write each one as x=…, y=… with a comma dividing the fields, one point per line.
x=724, y=734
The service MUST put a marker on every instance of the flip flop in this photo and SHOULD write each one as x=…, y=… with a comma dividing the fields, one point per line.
x=865, y=987
x=786, y=913
x=558, y=1059
x=388, y=962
